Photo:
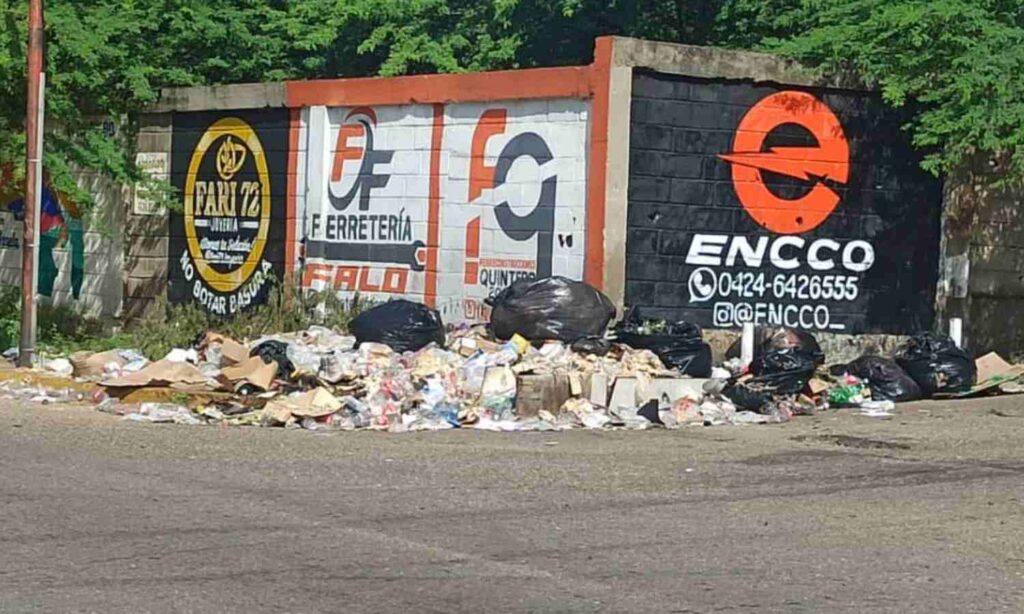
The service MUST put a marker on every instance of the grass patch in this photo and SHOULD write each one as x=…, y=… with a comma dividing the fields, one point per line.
x=63, y=331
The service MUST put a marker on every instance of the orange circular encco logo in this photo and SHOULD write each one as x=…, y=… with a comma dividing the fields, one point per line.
x=830, y=159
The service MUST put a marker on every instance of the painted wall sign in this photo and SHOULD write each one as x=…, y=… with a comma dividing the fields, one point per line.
x=156, y=165
x=443, y=203
x=227, y=242
x=515, y=198
x=781, y=207
x=366, y=227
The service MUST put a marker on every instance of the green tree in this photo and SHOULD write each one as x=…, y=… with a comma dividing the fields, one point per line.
x=109, y=58
x=960, y=63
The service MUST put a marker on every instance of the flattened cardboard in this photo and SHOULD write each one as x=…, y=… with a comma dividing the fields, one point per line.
x=159, y=373
x=253, y=370
x=234, y=353
x=276, y=413
x=992, y=365
x=315, y=403
x=91, y=365
x=817, y=386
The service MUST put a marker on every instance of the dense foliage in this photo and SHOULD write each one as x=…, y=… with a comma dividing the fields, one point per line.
x=959, y=61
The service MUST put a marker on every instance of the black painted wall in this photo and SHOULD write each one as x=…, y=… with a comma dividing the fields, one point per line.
x=187, y=283
x=680, y=187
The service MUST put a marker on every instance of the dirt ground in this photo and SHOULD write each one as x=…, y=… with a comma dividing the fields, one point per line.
x=831, y=513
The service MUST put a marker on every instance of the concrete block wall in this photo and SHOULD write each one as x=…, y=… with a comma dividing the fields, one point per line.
x=861, y=242
x=146, y=228
x=440, y=188
x=637, y=141
x=983, y=257
x=450, y=203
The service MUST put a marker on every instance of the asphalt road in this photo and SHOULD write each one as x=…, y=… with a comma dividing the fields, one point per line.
x=832, y=513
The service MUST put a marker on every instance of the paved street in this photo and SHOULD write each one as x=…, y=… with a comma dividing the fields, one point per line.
x=834, y=513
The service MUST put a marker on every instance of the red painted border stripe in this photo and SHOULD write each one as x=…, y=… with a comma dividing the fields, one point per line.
x=563, y=82
x=434, y=207
x=291, y=204
x=597, y=174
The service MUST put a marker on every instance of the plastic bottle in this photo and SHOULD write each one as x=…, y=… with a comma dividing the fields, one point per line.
x=845, y=395
x=357, y=413
x=447, y=412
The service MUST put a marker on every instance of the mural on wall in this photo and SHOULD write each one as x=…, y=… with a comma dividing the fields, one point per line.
x=777, y=206
x=227, y=242
x=444, y=203
x=60, y=227
x=366, y=226
x=515, y=203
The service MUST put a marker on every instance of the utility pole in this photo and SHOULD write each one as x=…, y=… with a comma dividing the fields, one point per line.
x=33, y=182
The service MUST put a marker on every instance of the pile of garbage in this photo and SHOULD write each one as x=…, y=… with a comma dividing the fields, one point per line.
x=787, y=375
x=545, y=361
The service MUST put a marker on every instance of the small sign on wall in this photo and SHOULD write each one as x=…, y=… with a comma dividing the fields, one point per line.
x=156, y=165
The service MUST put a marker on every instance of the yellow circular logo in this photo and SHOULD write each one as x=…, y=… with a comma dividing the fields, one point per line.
x=227, y=204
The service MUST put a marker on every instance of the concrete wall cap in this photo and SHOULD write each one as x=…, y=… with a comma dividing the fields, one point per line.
x=219, y=97
x=719, y=63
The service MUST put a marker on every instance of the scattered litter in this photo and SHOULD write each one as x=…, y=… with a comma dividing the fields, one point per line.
x=180, y=355
x=546, y=362
x=59, y=366
x=877, y=409
x=228, y=351
x=163, y=412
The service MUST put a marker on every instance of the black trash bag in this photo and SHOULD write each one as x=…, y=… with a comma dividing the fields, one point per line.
x=887, y=381
x=784, y=371
x=550, y=308
x=402, y=325
x=597, y=346
x=936, y=364
x=778, y=372
x=748, y=395
x=679, y=345
x=768, y=339
x=649, y=410
x=275, y=351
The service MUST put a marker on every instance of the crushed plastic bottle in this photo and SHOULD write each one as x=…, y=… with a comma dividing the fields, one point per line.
x=311, y=424
x=59, y=366
x=182, y=355
x=448, y=413
x=877, y=409
x=163, y=412
x=304, y=358
x=847, y=395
